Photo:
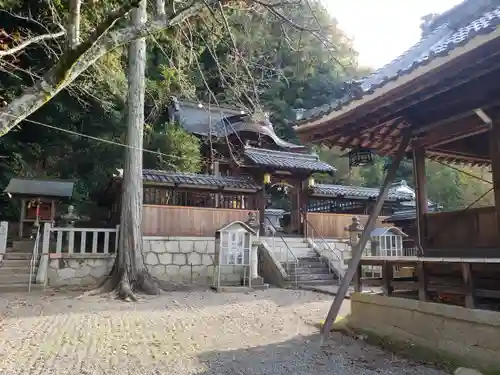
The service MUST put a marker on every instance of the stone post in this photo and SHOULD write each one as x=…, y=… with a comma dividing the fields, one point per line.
x=355, y=230
x=254, y=261
x=253, y=223
x=4, y=230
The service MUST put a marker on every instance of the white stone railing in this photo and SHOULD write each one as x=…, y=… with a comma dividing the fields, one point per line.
x=65, y=239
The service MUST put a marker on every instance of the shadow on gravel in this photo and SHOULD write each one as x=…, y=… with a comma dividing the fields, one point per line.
x=66, y=301
x=341, y=355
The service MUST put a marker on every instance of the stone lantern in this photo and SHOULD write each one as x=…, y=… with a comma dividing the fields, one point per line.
x=355, y=229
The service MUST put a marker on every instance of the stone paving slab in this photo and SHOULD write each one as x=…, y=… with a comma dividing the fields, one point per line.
x=198, y=332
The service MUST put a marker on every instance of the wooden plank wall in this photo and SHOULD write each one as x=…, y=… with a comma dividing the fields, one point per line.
x=188, y=221
x=333, y=225
x=472, y=228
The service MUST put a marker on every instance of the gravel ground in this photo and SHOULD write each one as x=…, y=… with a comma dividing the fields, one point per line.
x=270, y=332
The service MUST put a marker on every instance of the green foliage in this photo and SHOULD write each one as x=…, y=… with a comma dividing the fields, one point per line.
x=263, y=62
x=181, y=150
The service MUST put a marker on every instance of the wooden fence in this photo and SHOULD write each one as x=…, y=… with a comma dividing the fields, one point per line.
x=333, y=225
x=188, y=221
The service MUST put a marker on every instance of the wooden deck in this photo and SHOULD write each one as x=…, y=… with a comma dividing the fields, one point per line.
x=468, y=282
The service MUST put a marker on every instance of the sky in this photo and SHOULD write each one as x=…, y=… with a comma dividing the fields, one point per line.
x=383, y=29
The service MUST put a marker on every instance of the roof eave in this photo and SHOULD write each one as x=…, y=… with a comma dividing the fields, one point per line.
x=403, y=82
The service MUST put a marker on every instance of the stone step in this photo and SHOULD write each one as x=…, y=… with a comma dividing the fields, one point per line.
x=16, y=279
x=21, y=263
x=319, y=282
x=309, y=255
x=23, y=245
x=16, y=270
x=306, y=277
x=318, y=264
x=22, y=287
x=17, y=256
x=310, y=270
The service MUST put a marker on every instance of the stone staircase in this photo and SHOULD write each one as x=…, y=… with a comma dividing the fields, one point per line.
x=337, y=251
x=15, y=267
x=310, y=270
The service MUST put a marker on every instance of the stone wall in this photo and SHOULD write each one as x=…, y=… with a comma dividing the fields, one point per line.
x=270, y=267
x=176, y=260
x=466, y=335
x=77, y=269
x=180, y=259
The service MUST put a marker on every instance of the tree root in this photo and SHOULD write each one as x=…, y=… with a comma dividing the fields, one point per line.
x=119, y=284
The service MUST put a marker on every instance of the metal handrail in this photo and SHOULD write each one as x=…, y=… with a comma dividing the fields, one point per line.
x=307, y=222
x=34, y=257
x=288, y=250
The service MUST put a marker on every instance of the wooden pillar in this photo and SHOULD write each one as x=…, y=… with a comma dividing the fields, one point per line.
x=52, y=211
x=495, y=169
x=357, y=251
x=422, y=281
x=304, y=202
x=468, y=286
x=420, y=195
x=261, y=206
x=387, y=274
x=22, y=216
x=358, y=286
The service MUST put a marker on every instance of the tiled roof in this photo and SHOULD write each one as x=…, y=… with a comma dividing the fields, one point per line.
x=40, y=188
x=193, y=179
x=221, y=122
x=438, y=42
x=402, y=215
x=358, y=192
x=287, y=160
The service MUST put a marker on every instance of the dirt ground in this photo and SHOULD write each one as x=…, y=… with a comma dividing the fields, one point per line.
x=198, y=332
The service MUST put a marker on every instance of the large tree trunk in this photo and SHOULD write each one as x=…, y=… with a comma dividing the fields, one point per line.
x=129, y=273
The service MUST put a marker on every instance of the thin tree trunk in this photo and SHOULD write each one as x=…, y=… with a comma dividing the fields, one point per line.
x=129, y=273
x=74, y=24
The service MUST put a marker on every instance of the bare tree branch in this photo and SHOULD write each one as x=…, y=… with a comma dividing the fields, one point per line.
x=75, y=62
x=27, y=42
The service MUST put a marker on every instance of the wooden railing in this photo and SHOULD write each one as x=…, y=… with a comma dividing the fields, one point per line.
x=471, y=228
x=78, y=241
x=333, y=225
x=188, y=221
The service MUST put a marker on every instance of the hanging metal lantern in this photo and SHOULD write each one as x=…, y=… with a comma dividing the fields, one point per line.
x=267, y=178
x=311, y=182
x=359, y=157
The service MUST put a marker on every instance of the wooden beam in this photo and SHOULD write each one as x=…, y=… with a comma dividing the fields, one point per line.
x=357, y=250
x=387, y=274
x=468, y=285
x=420, y=194
x=447, y=155
x=422, y=282
x=495, y=167
x=358, y=286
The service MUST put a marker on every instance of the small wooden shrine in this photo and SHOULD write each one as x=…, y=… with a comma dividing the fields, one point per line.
x=38, y=200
